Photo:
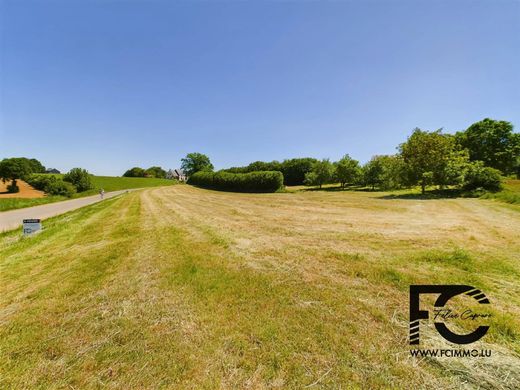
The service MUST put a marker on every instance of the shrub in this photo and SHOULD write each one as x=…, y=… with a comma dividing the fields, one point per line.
x=262, y=181
x=60, y=187
x=480, y=177
x=40, y=181
x=51, y=185
x=80, y=178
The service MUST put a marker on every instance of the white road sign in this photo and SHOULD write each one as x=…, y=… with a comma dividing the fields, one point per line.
x=31, y=226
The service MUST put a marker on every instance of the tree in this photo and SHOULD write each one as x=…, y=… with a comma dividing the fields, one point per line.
x=36, y=166
x=386, y=172
x=264, y=166
x=135, y=172
x=320, y=174
x=195, y=162
x=80, y=178
x=492, y=142
x=426, y=155
x=13, y=169
x=347, y=170
x=156, y=172
x=294, y=170
x=373, y=172
x=456, y=168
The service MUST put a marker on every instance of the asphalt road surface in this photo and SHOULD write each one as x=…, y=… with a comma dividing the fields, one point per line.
x=12, y=219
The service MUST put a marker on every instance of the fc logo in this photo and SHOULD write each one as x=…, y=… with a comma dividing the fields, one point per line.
x=446, y=292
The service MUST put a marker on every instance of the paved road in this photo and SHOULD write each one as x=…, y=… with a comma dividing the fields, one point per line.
x=12, y=219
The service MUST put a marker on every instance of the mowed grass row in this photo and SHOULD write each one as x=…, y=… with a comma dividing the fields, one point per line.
x=107, y=183
x=186, y=288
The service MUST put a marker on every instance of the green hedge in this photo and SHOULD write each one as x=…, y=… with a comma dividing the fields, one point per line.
x=261, y=181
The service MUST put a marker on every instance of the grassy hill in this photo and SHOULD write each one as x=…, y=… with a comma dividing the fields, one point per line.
x=510, y=194
x=108, y=183
x=179, y=287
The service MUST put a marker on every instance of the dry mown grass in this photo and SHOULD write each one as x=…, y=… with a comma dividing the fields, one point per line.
x=186, y=288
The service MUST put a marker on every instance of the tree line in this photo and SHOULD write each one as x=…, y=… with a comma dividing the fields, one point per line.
x=156, y=172
x=470, y=159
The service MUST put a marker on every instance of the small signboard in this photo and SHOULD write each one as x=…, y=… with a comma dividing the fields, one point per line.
x=31, y=226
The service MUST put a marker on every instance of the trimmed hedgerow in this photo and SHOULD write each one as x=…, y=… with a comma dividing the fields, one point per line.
x=261, y=181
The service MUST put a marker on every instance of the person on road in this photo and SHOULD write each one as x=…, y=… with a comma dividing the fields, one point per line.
x=101, y=193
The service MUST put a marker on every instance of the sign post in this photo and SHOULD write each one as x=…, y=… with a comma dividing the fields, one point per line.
x=31, y=226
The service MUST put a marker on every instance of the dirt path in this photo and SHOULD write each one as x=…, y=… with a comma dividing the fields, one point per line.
x=12, y=219
x=26, y=191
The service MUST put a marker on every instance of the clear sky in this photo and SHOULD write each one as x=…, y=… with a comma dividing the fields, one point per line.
x=107, y=85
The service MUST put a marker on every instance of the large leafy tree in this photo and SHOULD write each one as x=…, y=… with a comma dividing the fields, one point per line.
x=373, y=172
x=321, y=173
x=80, y=178
x=156, y=172
x=135, y=172
x=426, y=155
x=264, y=166
x=36, y=166
x=195, y=162
x=492, y=142
x=294, y=170
x=385, y=172
x=347, y=170
x=13, y=169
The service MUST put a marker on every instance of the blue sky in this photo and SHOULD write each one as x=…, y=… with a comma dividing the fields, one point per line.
x=107, y=85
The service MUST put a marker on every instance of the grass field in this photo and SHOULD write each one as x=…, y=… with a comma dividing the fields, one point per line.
x=179, y=287
x=108, y=183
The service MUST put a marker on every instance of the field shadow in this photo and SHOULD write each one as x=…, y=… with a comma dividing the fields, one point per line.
x=429, y=195
x=325, y=189
x=338, y=189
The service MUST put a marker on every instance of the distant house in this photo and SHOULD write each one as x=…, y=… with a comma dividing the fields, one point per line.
x=52, y=170
x=176, y=174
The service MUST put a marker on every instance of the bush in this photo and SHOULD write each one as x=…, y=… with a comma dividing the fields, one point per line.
x=60, y=187
x=480, y=177
x=80, y=178
x=40, y=181
x=51, y=185
x=262, y=181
